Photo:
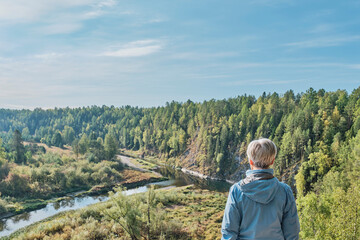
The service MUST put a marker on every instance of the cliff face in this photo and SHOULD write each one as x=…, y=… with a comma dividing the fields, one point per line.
x=195, y=159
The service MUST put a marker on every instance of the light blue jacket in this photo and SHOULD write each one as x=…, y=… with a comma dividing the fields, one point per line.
x=261, y=209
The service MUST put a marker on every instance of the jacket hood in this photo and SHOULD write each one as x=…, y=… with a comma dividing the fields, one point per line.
x=261, y=191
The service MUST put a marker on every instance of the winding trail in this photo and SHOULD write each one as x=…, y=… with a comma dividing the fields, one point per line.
x=127, y=161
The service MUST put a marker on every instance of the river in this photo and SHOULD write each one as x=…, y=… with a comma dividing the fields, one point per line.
x=176, y=179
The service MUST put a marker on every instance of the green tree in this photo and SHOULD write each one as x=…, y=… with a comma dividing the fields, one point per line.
x=76, y=147
x=25, y=133
x=18, y=147
x=4, y=166
x=57, y=140
x=69, y=135
x=83, y=144
x=126, y=212
x=110, y=146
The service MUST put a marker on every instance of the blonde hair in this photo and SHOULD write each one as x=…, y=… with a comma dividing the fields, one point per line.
x=262, y=152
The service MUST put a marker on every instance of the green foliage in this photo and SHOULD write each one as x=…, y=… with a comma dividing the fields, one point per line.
x=142, y=217
x=331, y=215
x=175, y=214
x=110, y=146
x=50, y=175
x=83, y=144
x=202, y=130
x=4, y=168
x=316, y=132
x=126, y=212
x=69, y=134
x=57, y=140
x=18, y=147
x=15, y=185
x=332, y=210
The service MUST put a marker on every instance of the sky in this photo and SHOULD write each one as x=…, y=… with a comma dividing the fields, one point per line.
x=59, y=53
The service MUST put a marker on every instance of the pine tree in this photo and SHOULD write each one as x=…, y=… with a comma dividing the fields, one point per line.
x=18, y=147
x=110, y=146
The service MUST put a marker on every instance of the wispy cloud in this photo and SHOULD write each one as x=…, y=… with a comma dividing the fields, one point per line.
x=258, y=82
x=324, y=42
x=93, y=14
x=135, y=49
x=61, y=28
x=24, y=11
x=50, y=55
x=271, y=2
x=250, y=64
x=322, y=28
x=157, y=20
x=106, y=3
x=99, y=9
x=208, y=76
x=55, y=16
x=304, y=64
x=202, y=55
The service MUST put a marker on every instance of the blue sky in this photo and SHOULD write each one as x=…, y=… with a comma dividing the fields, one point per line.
x=74, y=53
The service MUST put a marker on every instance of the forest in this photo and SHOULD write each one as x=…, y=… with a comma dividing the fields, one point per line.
x=316, y=132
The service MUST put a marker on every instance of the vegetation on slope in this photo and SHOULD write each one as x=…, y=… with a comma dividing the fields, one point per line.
x=26, y=186
x=317, y=134
x=210, y=137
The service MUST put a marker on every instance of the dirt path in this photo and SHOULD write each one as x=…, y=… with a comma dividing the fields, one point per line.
x=127, y=161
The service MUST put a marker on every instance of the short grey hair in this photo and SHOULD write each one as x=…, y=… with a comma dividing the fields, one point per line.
x=262, y=152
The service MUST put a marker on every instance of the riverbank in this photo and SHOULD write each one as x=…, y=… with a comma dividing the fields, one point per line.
x=155, y=161
x=183, y=213
x=131, y=179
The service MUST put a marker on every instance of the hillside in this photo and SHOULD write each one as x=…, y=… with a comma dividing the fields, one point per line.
x=317, y=134
x=208, y=137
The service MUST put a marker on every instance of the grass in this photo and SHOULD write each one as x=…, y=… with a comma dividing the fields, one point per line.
x=132, y=179
x=66, y=150
x=197, y=213
x=65, y=160
x=149, y=160
x=201, y=212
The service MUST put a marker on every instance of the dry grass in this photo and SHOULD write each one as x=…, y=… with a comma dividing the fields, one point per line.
x=201, y=213
x=131, y=176
x=67, y=150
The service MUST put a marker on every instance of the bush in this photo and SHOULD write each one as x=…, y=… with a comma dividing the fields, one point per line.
x=3, y=208
x=15, y=185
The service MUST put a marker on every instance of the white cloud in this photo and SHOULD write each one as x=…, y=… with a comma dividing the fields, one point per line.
x=208, y=76
x=61, y=28
x=55, y=16
x=323, y=42
x=321, y=28
x=271, y=2
x=250, y=65
x=202, y=55
x=93, y=14
x=24, y=10
x=258, y=82
x=135, y=49
x=107, y=3
x=99, y=9
x=156, y=20
x=50, y=55
x=60, y=79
